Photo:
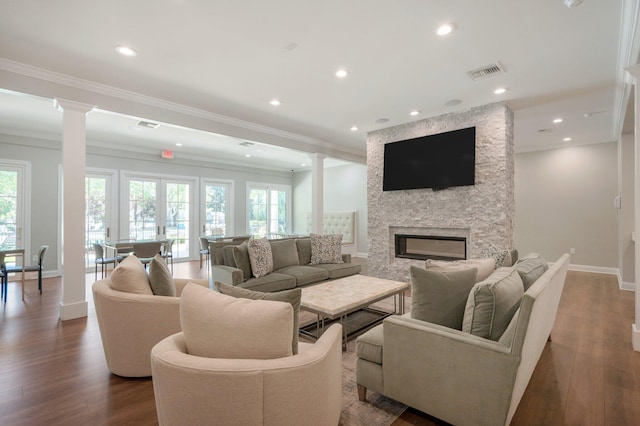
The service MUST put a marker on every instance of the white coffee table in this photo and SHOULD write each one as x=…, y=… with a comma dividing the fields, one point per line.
x=338, y=298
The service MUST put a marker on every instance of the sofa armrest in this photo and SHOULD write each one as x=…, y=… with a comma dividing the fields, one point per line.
x=346, y=258
x=449, y=374
x=227, y=274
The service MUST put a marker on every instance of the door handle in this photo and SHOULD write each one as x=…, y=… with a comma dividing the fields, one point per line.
x=158, y=230
x=164, y=230
x=108, y=232
x=204, y=229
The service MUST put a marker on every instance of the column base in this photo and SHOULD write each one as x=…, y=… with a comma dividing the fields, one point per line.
x=74, y=310
x=635, y=338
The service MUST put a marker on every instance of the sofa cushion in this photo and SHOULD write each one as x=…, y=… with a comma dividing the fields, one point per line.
x=290, y=296
x=339, y=270
x=260, y=257
x=305, y=274
x=284, y=253
x=160, y=278
x=484, y=267
x=220, y=326
x=369, y=345
x=492, y=303
x=130, y=277
x=270, y=282
x=241, y=257
x=530, y=268
x=440, y=297
x=326, y=248
x=304, y=250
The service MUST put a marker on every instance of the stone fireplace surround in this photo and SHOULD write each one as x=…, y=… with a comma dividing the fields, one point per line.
x=483, y=213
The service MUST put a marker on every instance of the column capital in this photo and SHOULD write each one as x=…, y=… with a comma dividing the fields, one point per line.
x=632, y=73
x=66, y=104
x=317, y=155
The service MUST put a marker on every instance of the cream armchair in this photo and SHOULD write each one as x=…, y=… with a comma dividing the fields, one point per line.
x=131, y=324
x=301, y=389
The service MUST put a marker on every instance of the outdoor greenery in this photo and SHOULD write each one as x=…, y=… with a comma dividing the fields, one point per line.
x=8, y=205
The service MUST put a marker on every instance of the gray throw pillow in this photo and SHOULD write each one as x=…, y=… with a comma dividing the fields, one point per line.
x=492, y=303
x=291, y=296
x=440, y=297
x=304, y=250
x=160, y=278
x=284, y=253
x=531, y=268
x=241, y=258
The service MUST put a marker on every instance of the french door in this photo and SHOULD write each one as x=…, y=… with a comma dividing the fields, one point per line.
x=269, y=208
x=158, y=208
x=100, y=204
x=14, y=206
x=216, y=201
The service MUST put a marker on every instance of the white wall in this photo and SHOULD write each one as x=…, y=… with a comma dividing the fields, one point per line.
x=345, y=189
x=564, y=199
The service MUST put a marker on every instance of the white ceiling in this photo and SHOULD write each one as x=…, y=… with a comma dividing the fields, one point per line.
x=222, y=61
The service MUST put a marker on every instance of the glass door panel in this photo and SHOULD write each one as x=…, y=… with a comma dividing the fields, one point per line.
x=178, y=217
x=216, y=204
x=143, y=219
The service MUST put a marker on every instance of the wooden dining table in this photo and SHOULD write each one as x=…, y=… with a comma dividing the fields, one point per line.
x=126, y=245
x=15, y=252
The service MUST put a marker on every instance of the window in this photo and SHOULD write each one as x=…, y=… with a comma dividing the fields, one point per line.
x=269, y=208
x=14, y=193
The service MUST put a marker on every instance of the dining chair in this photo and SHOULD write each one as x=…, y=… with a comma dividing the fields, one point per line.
x=146, y=251
x=167, y=254
x=98, y=249
x=204, y=250
x=4, y=280
x=30, y=268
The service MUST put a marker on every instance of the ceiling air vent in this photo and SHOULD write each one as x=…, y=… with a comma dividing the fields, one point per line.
x=147, y=124
x=486, y=71
x=543, y=131
x=246, y=143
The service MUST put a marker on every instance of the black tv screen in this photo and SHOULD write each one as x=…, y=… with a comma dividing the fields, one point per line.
x=436, y=161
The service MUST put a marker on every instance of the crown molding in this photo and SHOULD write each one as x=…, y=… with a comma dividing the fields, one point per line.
x=103, y=89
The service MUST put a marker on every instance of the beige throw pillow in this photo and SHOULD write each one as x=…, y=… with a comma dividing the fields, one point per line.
x=160, y=278
x=130, y=277
x=260, y=257
x=492, y=303
x=484, y=267
x=220, y=326
x=290, y=296
x=326, y=249
x=440, y=297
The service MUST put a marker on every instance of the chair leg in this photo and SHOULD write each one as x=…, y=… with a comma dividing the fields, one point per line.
x=200, y=260
x=362, y=393
x=40, y=280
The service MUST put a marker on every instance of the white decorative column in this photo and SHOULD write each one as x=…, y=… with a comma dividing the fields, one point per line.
x=317, y=192
x=635, y=73
x=74, y=300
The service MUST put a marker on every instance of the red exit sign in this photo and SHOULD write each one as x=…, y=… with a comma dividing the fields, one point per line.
x=167, y=154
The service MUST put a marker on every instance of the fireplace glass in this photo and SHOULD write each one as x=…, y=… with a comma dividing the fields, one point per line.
x=423, y=247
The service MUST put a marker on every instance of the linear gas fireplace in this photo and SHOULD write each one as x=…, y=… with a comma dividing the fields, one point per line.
x=424, y=247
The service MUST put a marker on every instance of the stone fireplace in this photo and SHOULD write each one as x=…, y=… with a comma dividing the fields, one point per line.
x=479, y=215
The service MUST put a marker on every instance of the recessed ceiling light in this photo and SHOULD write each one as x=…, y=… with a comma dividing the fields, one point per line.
x=247, y=155
x=126, y=51
x=414, y=112
x=178, y=144
x=275, y=102
x=342, y=73
x=566, y=139
x=444, y=30
x=557, y=120
x=500, y=91
x=354, y=128
x=453, y=102
x=303, y=165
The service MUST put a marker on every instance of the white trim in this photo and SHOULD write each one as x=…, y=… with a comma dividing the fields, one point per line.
x=102, y=89
x=362, y=255
x=74, y=310
x=635, y=338
x=596, y=269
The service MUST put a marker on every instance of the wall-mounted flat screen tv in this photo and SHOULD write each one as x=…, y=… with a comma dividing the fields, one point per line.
x=439, y=161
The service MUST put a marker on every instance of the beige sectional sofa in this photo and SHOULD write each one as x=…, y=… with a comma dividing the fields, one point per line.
x=230, y=264
x=459, y=377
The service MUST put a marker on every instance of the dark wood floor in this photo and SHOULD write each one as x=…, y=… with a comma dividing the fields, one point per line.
x=54, y=372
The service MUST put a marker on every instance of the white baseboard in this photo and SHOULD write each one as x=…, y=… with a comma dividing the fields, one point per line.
x=74, y=310
x=362, y=255
x=635, y=338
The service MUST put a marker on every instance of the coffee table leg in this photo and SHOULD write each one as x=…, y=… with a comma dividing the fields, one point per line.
x=343, y=319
